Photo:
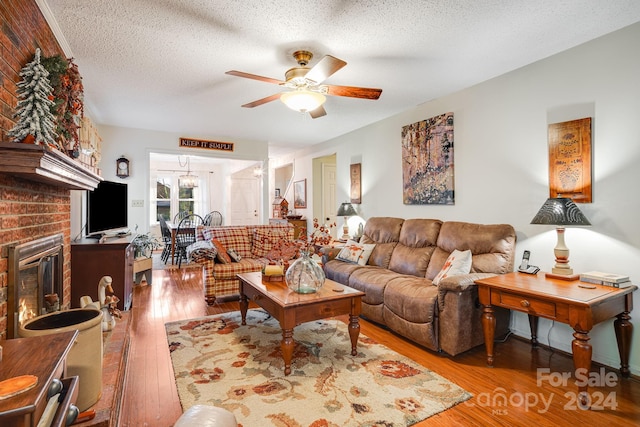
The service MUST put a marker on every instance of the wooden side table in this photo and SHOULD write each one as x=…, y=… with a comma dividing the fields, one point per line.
x=562, y=301
x=45, y=357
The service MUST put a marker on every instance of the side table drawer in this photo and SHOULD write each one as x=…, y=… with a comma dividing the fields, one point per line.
x=529, y=305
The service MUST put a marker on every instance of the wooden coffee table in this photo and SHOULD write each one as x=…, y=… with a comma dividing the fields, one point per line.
x=291, y=308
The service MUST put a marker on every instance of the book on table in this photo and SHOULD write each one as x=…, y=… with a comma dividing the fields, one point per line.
x=593, y=276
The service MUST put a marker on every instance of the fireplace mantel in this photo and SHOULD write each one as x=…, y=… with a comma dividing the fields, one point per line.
x=35, y=163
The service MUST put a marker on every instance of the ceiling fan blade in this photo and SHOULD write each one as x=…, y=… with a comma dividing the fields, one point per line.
x=325, y=68
x=318, y=112
x=353, y=92
x=254, y=77
x=262, y=101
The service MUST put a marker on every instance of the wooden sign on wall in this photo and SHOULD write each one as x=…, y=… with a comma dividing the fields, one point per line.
x=570, y=160
x=356, y=187
x=210, y=145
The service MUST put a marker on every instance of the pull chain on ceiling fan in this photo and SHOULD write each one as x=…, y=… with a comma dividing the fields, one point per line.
x=308, y=92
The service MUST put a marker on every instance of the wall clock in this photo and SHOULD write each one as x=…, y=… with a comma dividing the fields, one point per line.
x=122, y=167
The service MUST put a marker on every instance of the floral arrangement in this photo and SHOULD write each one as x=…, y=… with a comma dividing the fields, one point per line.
x=284, y=251
x=320, y=236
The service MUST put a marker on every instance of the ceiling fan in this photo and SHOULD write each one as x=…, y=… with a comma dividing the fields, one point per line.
x=308, y=92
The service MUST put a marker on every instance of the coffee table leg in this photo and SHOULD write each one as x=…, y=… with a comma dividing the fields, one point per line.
x=354, y=332
x=287, y=349
x=244, y=305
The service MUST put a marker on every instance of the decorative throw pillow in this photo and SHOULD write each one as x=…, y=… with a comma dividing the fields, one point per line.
x=283, y=251
x=264, y=240
x=459, y=262
x=234, y=255
x=223, y=257
x=357, y=253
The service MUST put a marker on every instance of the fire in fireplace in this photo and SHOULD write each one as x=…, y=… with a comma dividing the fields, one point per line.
x=35, y=280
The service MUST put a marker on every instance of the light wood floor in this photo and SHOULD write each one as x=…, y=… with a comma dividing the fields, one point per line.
x=150, y=397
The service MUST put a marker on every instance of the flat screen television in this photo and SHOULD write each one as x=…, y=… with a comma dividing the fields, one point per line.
x=107, y=208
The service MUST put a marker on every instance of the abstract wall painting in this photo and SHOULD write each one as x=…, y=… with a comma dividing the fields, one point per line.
x=427, y=161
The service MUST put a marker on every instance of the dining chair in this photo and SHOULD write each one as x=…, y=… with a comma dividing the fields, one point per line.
x=186, y=235
x=166, y=239
x=179, y=216
x=213, y=218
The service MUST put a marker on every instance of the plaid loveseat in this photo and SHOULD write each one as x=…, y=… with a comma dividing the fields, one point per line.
x=252, y=243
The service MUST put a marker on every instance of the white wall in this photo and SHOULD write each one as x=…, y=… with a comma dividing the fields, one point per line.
x=136, y=144
x=501, y=169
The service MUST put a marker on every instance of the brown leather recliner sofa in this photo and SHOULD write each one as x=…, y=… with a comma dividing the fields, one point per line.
x=397, y=278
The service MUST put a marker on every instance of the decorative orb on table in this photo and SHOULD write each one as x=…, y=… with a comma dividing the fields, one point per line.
x=304, y=275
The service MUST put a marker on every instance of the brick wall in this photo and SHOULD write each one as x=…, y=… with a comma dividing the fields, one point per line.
x=28, y=210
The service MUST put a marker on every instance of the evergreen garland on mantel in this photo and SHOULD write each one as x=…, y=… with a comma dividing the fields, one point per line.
x=34, y=118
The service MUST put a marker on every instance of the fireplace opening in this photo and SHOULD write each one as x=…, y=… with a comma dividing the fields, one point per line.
x=35, y=280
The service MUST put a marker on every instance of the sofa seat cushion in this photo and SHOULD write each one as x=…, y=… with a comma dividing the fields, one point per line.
x=340, y=271
x=372, y=281
x=411, y=298
x=229, y=271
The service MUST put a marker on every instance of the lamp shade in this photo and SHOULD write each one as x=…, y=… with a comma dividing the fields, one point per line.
x=560, y=211
x=346, y=209
x=302, y=100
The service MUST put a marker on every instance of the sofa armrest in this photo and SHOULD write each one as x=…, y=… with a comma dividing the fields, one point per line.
x=461, y=282
x=329, y=253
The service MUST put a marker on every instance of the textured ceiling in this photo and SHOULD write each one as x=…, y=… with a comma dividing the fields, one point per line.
x=160, y=64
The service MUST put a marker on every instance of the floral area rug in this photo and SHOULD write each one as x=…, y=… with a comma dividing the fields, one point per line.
x=219, y=362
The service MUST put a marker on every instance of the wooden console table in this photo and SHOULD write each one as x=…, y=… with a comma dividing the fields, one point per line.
x=562, y=301
x=43, y=356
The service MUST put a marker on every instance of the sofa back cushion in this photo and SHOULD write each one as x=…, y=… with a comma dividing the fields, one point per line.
x=241, y=238
x=232, y=237
x=266, y=239
x=385, y=233
x=492, y=246
x=416, y=244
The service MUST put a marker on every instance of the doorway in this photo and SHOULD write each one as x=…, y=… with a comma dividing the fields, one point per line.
x=215, y=187
x=324, y=192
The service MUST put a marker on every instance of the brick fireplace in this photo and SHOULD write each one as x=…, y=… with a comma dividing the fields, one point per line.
x=31, y=210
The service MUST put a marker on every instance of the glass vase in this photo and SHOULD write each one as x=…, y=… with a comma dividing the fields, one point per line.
x=304, y=275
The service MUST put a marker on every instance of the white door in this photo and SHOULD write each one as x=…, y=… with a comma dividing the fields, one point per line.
x=245, y=202
x=329, y=205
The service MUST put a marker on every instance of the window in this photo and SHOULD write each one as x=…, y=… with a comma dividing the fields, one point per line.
x=169, y=198
x=163, y=198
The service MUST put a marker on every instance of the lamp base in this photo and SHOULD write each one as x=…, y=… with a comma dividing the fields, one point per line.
x=567, y=277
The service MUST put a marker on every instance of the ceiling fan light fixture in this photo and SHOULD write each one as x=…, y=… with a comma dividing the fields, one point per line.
x=303, y=100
